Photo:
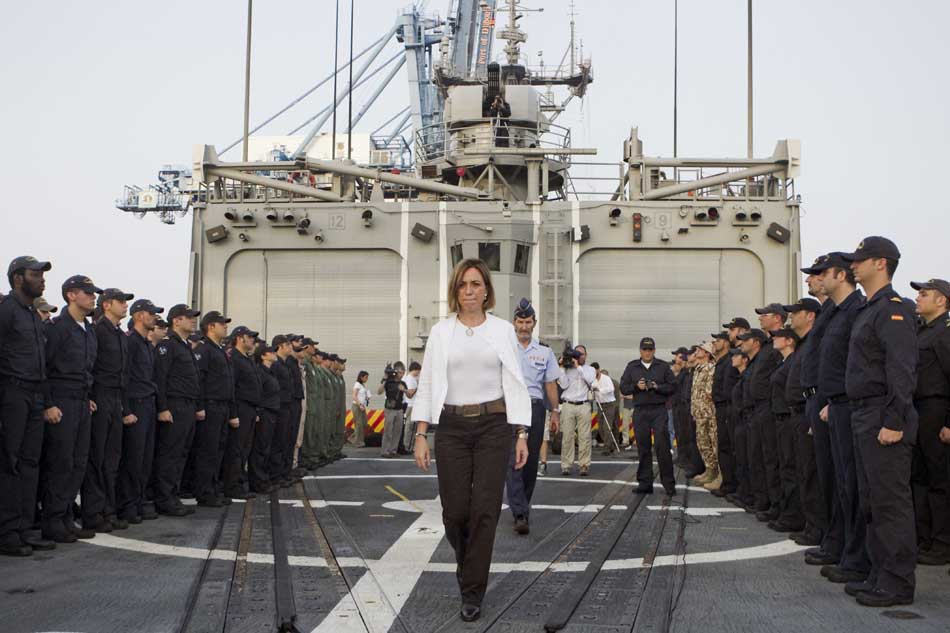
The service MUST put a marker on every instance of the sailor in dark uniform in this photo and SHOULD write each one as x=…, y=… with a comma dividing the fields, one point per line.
x=880, y=381
x=178, y=394
x=282, y=442
x=247, y=394
x=932, y=400
x=259, y=474
x=22, y=387
x=725, y=378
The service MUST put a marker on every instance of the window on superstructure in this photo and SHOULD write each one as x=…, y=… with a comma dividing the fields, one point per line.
x=490, y=253
x=522, y=257
x=457, y=255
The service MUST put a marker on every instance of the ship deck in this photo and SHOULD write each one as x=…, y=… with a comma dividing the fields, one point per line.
x=358, y=547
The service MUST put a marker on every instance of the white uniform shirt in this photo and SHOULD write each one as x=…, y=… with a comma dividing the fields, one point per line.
x=575, y=383
x=411, y=383
x=362, y=395
x=605, y=389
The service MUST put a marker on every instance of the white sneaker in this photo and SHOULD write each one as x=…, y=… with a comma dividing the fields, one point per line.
x=542, y=469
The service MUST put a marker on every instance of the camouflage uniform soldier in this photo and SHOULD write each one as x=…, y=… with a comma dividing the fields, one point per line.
x=704, y=412
x=326, y=399
x=310, y=447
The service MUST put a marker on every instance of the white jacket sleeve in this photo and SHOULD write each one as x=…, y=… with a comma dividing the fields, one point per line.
x=422, y=402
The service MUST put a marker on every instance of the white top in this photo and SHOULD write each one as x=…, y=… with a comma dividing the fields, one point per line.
x=474, y=368
x=605, y=389
x=433, y=381
x=411, y=383
x=362, y=395
x=574, y=383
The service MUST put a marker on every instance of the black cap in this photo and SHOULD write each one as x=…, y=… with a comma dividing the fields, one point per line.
x=755, y=333
x=181, y=310
x=940, y=285
x=144, y=305
x=279, y=340
x=42, y=305
x=295, y=337
x=162, y=323
x=307, y=341
x=80, y=282
x=737, y=322
x=320, y=354
x=680, y=350
x=243, y=330
x=213, y=317
x=720, y=335
x=807, y=304
x=524, y=310
x=342, y=360
x=334, y=358
x=110, y=294
x=787, y=332
x=875, y=247
x=773, y=308
x=194, y=338
x=647, y=343
x=820, y=265
x=736, y=351
x=267, y=349
x=28, y=262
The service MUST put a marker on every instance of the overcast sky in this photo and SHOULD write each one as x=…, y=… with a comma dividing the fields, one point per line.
x=98, y=95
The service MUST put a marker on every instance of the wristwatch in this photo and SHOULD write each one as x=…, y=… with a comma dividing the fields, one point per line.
x=521, y=433
x=422, y=435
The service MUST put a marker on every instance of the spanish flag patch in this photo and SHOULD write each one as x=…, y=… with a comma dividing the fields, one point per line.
x=896, y=317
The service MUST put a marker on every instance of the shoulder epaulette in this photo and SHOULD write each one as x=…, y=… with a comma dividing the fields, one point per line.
x=897, y=300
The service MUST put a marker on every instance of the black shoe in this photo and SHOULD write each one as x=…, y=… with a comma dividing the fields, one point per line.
x=117, y=523
x=781, y=526
x=16, y=550
x=100, y=526
x=670, y=492
x=224, y=501
x=933, y=557
x=521, y=525
x=78, y=532
x=819, y=558
x=767, y=515
x=149, y=515
x=692, y=474
x=881, y=598
x=210, y=502
x=39, y=543
x=720, y=493
x=60, y=536
x=841, y=576
x=173, y=511
x=134, y=519
x=643, y=490
x=188, y=509
x=806, y=539
x=855, y=587
x=470, y=612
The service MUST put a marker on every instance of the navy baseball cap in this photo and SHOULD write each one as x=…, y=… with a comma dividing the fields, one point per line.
x=755, y=333
x=773, y=308
x=144, y=305
x=28, y=262
x=279, y=340
x=213, y=317
x=737, y=322
x=940, y=285
x=80, y=282
x=647, y=343
x=680, y=350
x=182, y=310
x=243, y=330
x=786, y=332
x=807, y=304
x=873, y=247
x=110, y=294
x=720, y=335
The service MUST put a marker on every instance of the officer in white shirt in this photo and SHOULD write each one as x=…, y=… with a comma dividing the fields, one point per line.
x=606, y=396
x=575, y=420
x=412, y=383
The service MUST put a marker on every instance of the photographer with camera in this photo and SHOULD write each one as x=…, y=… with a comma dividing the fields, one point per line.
x=500, y=111
x=576, y=382
x=395, y=390
x=651, y=382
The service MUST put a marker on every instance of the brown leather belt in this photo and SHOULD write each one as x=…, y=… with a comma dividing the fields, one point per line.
x=476, y=410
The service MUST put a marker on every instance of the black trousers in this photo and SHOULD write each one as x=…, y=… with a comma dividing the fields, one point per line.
x=65, y=456
x=207, y=449
x=687, y=452
x=768, y=434
x=258, y=464
x=281, y=445
x=807, y=472
x=791, y=507
x=756, y=459
x=833, y=540
x=884, y=487
x=519, y=484
x=237, y=449
x=680, y=414
x=296, y=411
x=854, y=555
x=741, y=437
x=931, y=475
x=135, y=465
x=472, y=458
x=725, y=440
x=173, y=442
x=105, y=450
x=647, y=418
x=21, y=444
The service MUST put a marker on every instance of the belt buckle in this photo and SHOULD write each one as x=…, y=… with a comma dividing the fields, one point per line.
x=470, y=410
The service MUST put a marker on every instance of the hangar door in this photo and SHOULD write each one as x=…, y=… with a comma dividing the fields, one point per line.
x=347, y=300
x=676, y=297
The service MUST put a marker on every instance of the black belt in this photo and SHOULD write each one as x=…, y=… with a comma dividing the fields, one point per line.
x=476, y=410
x=873, y=401
x=577, y=402
x=649, y=404
x=809, y=392
x=838, y=399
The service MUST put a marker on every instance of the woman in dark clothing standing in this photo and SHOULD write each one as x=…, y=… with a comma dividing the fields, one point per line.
x=267, y=412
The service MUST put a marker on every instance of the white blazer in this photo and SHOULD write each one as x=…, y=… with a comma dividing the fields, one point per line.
x=433, y=381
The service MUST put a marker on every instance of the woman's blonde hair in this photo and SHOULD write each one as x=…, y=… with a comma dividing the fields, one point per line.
x=456, y=281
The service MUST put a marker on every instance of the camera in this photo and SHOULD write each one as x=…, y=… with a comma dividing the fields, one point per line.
x=389, y=373
x=569, y=355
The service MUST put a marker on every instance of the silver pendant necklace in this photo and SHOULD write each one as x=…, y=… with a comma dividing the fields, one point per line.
x=469, y=331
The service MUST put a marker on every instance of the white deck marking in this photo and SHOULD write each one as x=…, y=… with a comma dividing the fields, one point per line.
x=699, y=512
x=548, y=479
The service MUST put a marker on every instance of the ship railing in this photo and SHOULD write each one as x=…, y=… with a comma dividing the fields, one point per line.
x=768, y=187
x=596, y=180
x=460, y=139
x=151, y=199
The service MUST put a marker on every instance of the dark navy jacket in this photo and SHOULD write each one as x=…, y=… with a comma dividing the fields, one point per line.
x=71, y=352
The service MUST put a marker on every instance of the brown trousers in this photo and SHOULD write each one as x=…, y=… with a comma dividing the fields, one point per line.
x=472, y=456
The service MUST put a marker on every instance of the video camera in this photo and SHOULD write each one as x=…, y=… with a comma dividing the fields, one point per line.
x=389, y=372
x=569, y=355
